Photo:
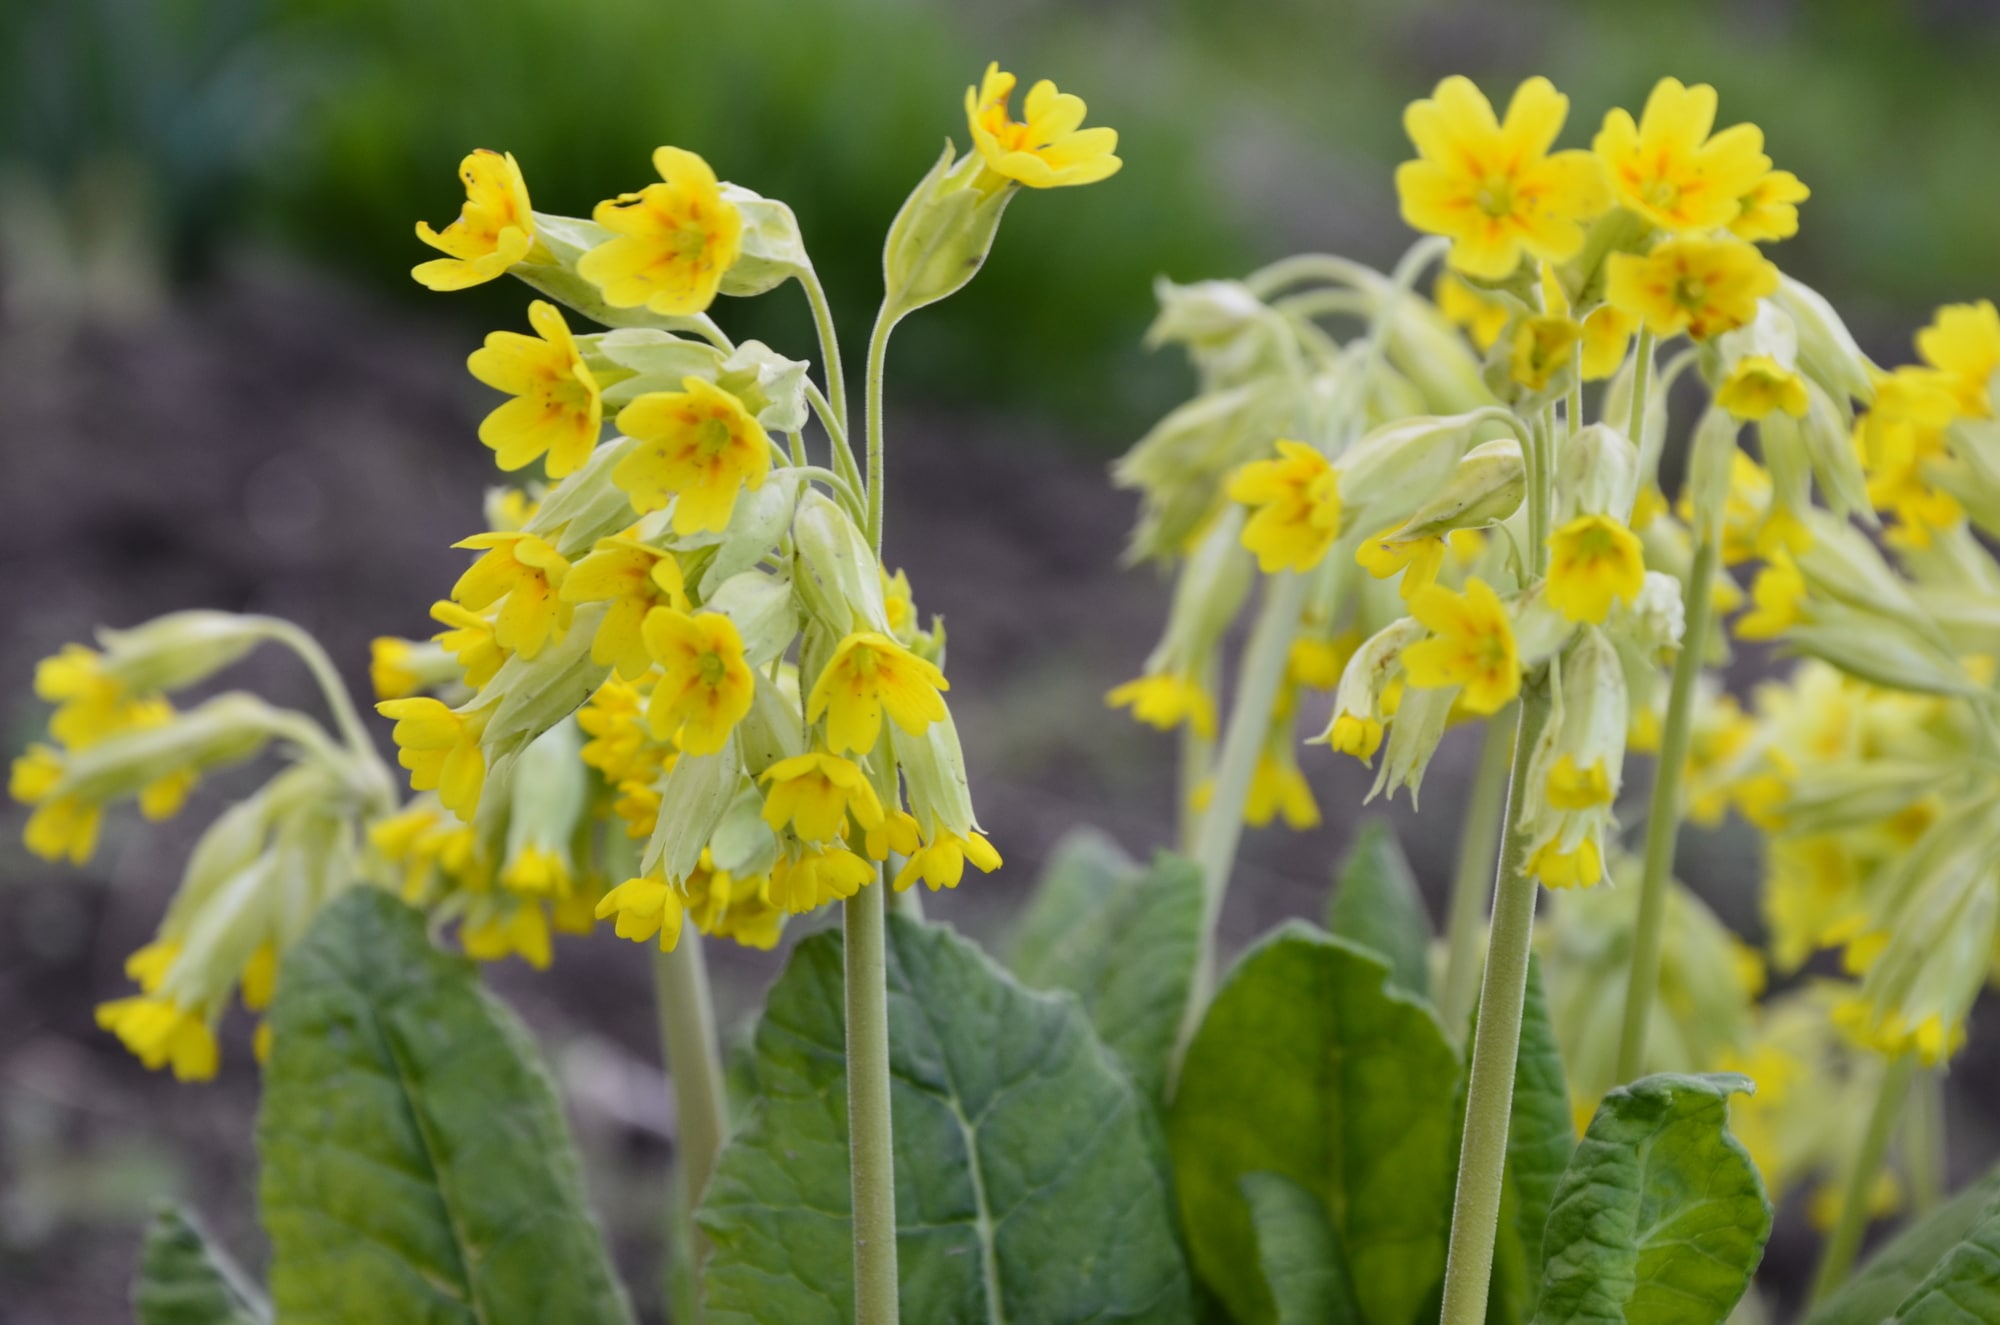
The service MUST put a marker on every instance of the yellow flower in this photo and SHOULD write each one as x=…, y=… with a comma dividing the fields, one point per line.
x=90, y=703
x=1963, y=343
x=1316, y=662
x=1770, y=208
x=494, y=230
x=1352, y=734
x=1278, y=787
x=707, y=687
x=1759, y=384
x=1049, y=150
x=60, y=827
x=620, y=746
x=867, y=674
x=1165, y=700
x=537, y=872
x=468, y=637
x=522, y=930
x=816, y=876
x=1471, y=645
x=645, y=906
x=1592, y=560
x=260, y=976
x=698, y=446
x=556, y=407
x=675, y=240
x=524, y=574
x=1669, y=170
x=1482, y=316
x=440, y=747
x=1606, y=333
x=161, y=1033
x=1701, y=286
x=1297, y=497
x=1776, y=594
x=1573, y=788
x=635, y=578
x=1493, y=187
x=941, y=862
x=897, y=833
x=816, y=792
x=1582, y=867
x=389, y=670
x=1418, y=559
x=1542, y=347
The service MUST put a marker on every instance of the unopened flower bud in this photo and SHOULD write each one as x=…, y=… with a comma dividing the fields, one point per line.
x=179, y=649
x=1484, y=489
x=770, y=250
x=1827, y=351
x=1710, y=459
x=934, y=772
x=1391, y=471
x=694, y=795
x=1597, y=474
x=940, y=238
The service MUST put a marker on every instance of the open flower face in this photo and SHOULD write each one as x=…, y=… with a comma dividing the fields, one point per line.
x=870, y=674
x=816, y=792
x=495, y=230
x=1667, y=168
x=1471, y=645
x=1594, y=560
x=524, y=574
x=440, y=747
x=1297, y=497
x=556, y=410
x=1701, y=286
x=1047, y=150
x=707, y=687
x=698, y=447
x=674, y=240
x=1493, y=187
x=634, y=577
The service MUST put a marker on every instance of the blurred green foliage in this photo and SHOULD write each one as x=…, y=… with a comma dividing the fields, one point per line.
x=1249, y=129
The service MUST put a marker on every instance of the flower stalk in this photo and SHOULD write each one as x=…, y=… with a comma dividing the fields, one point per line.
x=694, y=1065
x=1845, y=1240
x=1472, y=879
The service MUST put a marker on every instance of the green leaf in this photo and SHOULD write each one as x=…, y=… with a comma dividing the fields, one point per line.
x=1299, y=1253
x=416, y=1163
x=1123, y=939
x=1540, y=1134
x=184, y=1279
x=1377, y=905
x=1964, y=1289
x=1312, y=1066
x=1660, y=1218
x=1892, y=1275
x=1026, y=1188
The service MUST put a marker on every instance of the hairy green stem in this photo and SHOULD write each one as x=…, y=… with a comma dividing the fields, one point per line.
x=1496, y=1044
x=1642, y=368
x=694, y=1064
x=870, y=1139
x=1924, y=1142
x=1663, y=818
x=878, y=355
x=339, y=702
x=829, y=344
x=1845, y=1240
x=1472, y=880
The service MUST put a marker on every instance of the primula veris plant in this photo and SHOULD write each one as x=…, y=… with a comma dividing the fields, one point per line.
x=677, y=689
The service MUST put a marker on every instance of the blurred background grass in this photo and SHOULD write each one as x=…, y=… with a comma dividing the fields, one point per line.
x=218, y=387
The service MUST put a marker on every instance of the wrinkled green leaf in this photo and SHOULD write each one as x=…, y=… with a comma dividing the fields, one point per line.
x=416, y=1163
x=1310, y=1065
x=1892, y=1274
x=1376, y=904
x=1298, y=1252
x=1661, y=1217
x=1025, y=1188
x=186, y=1280
x=1540, y=1136
x=1123, y=938
x=1964, y=1289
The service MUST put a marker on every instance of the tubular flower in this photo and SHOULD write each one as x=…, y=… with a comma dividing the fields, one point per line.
x=1759, y=384
x=1297, y=497
x=1570, y=787
x=1579, y=867
x=1775, y=595
x=1542, y=348
x=1701, y=286
x=1471, y=645
x=1165, y=700
x=537, y=872
x=556, y=409
x=645, y=906
x=468, y=637
x=1278, y=787
x=1594, y=559
x=698, y=446
x=440, y=747
x=90, y=703
x=634, y=577
x=1353, y=734
x=1669, y=170
x=1771, y=209
x=734, y=907
x=1963, y=344
x=674, y=240
x=1418, y=560
x=1047, y=151
x=816, y=792
x=816, y=876
x=1482, y=316
x=60, y=827
x=389, y=670
x=941, y=861
x=706, y=688
x=160, y=1033
x=870, y=673
x=1492, y=187
x=494, y=230
x=897, y=833
x=520, y=930
x=524, y=574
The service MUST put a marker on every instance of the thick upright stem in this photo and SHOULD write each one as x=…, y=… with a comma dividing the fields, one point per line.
x=1496, y=1045
x=870, y=1140
x=1845, y=1240
x=1472, y=880
x=694, y=1061
x=1663, y=820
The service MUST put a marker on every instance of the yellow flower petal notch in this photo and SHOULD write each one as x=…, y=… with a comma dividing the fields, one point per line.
x=1701, y=286
x=1669, y=170
x=1963, y=344
x=869, y=674
x=494, y=230
x=634, y=577
x=675, y=240
x=645, y=906
x=941, y=862
x=1771, y=208
x=1047, y=150
x=1471, y=645
x=556, y=410
x=815, y=793
x=707, y=687
x=1593, y=560
x=698, y=447
x=1297, y=501
x=1493, y=187
x=1759, y=385
x=524, y=574
x=1166, y=700
x=440, y=747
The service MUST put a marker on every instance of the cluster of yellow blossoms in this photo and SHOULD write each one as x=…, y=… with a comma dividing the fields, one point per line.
x=675, y=679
